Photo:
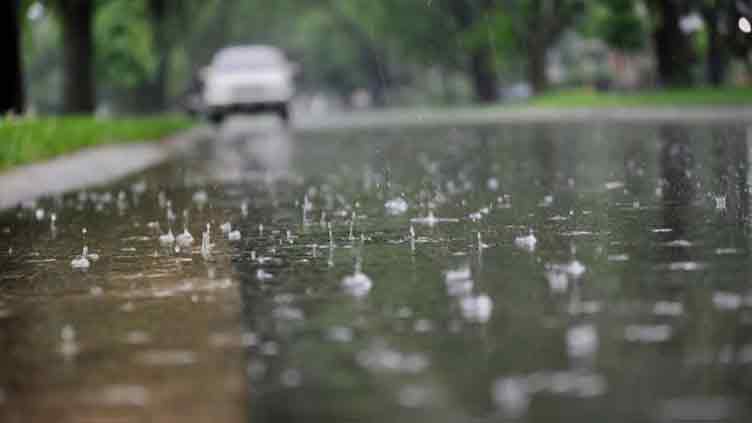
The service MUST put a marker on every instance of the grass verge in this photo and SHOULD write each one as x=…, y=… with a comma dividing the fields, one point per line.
x=28, y=140
x=727, y=96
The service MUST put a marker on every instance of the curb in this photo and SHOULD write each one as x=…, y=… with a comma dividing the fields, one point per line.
x=432, y=117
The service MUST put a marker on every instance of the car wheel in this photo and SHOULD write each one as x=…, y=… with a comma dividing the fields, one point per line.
x=216, y=118
x=284, y=113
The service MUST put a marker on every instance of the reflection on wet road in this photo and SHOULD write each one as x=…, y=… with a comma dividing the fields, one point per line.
x=481, y=273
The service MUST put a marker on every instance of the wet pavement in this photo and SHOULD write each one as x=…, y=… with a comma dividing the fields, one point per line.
x=533, y=272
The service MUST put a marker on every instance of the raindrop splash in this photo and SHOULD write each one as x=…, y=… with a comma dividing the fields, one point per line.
x=526, y=242
x=396, y=206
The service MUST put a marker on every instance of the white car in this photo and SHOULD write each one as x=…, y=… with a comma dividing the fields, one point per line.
x=248, y=79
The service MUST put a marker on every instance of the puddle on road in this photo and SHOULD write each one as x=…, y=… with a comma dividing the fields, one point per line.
x=547, y=273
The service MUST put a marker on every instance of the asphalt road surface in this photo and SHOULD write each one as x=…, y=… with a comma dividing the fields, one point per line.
x=584, y=270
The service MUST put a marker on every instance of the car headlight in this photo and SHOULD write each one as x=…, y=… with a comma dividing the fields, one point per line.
x=217, y=93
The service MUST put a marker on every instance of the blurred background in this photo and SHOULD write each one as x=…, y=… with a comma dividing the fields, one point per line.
x=141, y=56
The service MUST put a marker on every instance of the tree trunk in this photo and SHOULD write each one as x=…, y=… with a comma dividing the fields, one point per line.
x=11, y=88
x=159, y=85
x=379, y=79
x=78, y=56
x=536, y=56
x=483, y=72
x=716, y=56
x=672, y=48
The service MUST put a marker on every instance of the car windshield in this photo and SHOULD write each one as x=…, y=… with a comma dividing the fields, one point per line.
x=244, y=59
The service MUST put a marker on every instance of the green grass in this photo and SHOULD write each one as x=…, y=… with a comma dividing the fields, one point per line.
x=27, y=140
x=727, y=96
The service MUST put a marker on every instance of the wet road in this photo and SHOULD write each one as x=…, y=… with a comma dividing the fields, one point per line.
x=569, y=272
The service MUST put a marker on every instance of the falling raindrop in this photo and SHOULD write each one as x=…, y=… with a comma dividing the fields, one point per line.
x=351, y=237
x=170, y=214
x=305, y=208
x=480, y=244
x=322, y=220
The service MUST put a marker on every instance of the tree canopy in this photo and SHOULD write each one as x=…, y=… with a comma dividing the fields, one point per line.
x=142, y=54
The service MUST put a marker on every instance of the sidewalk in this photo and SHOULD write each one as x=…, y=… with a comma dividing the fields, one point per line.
x=94, y=166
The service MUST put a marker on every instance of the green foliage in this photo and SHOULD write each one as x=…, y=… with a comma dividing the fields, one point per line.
x=318, y=38
x=32, y=139
x=617, y=23
x=342, y=45
x=124, y=44
x=495, y=29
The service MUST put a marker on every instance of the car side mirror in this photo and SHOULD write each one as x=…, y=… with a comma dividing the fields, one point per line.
x=295, y=69
x=203, y=73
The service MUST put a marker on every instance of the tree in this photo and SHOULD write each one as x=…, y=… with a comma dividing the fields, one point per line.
x=724, y=41
x=79, y=93
x=469, y=15
x=11, y=93
x=459, y=35
x=717, y=56
x=617, y=23
x=372, y=56
x=541, y=24
x=168, y=20
x=673, y=51
x=157, y=12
